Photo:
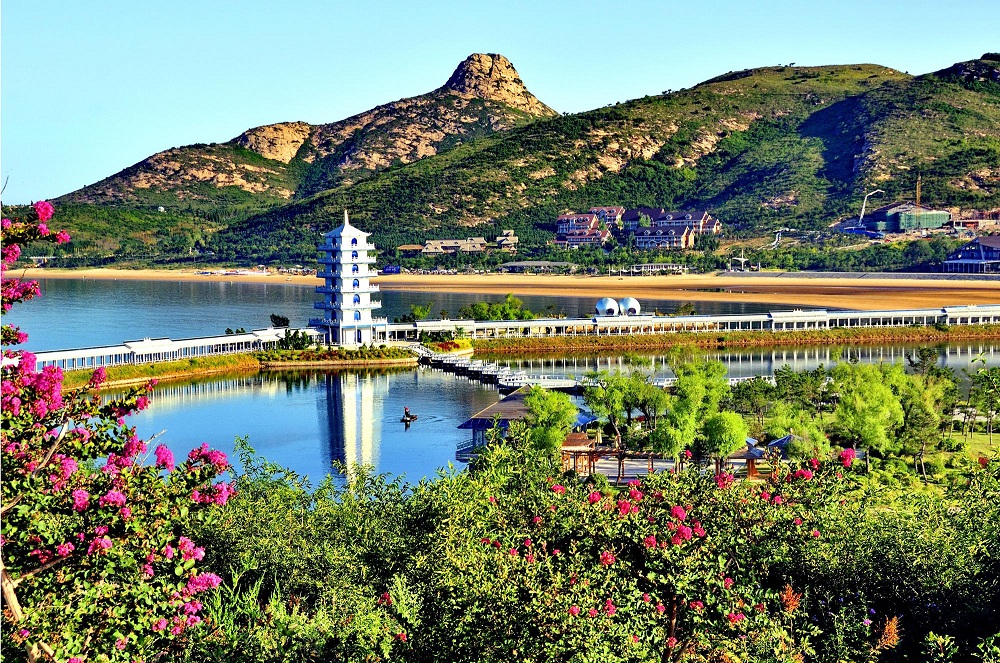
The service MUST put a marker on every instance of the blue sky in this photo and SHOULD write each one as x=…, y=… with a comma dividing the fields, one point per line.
x=89, y=88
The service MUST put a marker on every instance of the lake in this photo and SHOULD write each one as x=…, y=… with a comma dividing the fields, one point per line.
x=80, y=313
x=307, y=420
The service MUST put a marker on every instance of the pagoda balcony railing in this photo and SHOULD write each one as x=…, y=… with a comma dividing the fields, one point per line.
x=347, y=274
x=346, y=305
x=346, y=260
x=331, y=290
x=365, y=246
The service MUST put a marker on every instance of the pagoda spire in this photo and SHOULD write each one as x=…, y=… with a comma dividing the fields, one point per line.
x=347, y=221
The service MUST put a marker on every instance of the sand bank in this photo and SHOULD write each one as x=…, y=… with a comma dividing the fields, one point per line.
x=852, y=293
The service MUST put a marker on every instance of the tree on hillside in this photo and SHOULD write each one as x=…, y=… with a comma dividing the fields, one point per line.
x=551, y=415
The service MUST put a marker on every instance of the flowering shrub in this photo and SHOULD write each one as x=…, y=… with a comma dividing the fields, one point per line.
x=95, y=560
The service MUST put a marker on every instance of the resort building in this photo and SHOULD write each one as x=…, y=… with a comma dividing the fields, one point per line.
x=347, y=306
x=577, y=238
x=611, y=217
x=664, y=238
x=567, y=223
x=700, y=222
x=980, y=256
x=904, y=217
x=507, y=241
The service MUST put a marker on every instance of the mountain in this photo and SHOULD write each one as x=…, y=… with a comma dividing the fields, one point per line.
x=279, y=162
x=763, y=148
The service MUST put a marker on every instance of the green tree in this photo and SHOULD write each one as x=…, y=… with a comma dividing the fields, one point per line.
x=868, y=410
x=725, y=433
x=551, y=415
x=754, y=398
x=279, y=320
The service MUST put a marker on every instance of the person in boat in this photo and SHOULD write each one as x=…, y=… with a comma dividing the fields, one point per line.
x=406, y=412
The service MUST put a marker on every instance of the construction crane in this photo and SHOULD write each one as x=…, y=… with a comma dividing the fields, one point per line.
x=865, y=204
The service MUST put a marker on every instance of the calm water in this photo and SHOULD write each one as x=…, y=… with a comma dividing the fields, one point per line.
x=305, y=421
x=87, y=313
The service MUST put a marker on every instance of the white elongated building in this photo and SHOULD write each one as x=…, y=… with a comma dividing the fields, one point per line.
x=347, y=305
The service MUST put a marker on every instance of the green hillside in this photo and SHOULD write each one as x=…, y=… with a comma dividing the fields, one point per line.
x=762, y=148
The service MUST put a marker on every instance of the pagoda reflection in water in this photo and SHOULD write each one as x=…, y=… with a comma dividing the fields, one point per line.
x=354, y=410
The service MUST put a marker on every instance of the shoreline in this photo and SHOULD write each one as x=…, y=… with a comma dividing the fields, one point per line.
x=859, y=293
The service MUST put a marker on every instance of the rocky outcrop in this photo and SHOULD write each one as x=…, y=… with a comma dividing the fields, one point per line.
x=491, y=76
x=483, y=96
x=276, y=141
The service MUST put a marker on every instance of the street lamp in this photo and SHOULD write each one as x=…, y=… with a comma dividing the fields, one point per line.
x=871, y=193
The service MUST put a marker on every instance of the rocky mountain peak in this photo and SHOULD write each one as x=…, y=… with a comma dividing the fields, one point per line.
x=491, y=76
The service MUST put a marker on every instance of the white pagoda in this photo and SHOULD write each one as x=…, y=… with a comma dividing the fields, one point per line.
x=347, y=294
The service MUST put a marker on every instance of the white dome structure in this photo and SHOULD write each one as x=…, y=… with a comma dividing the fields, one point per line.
x=607, y=306
x=629, y=306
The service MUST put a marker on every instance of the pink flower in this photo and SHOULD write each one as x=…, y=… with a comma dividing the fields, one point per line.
x=81, y=500
x=491, y=499
x=803, y=474
x=847, y=457
x=558, y=489
x=141, y=403
x=678, y=512
x=634, y=483
x=815, y=533
x=64, y=549
x=624, y=508
x=536, y=520
x=527, y=543
x=778, y=500
x=574, y=610
x=698, y=529
x=646, y=598
x=513, y=552
x=671, y=642
x=687, y=453
x=98, y=378
x=724, y=480
x=607, y=558
x=649, y=541
x=164, y=458
x=99, y=546
x=121, y=643
x=401, y=636
x=75, y=659
x=44, y=210
x=735, y=618
x=594, y=497
x=660, y=608
x=814, y=462
x=609, y=608
x=62, y=237
x=168, y=551
x=592, y=612
x=125, y=512
x=112, y=498
x=635, y=494
x=202, y=582
x=797, y=521
x=697, y=605
x=727, y=583
x=766, y=496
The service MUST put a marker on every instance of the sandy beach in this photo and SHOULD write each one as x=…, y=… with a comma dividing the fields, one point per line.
x=851, y=293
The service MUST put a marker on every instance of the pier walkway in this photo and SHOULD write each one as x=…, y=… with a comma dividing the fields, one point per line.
x=150, y=350
x=622, y=325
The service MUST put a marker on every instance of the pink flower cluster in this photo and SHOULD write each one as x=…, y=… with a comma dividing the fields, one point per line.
x=202, y=583
x=215, y=494
x=724, y=480
x=803, y=474
x=164, y=458
x=847, y=457
x=112, y=498
x=607, y=558
x=213, y=457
